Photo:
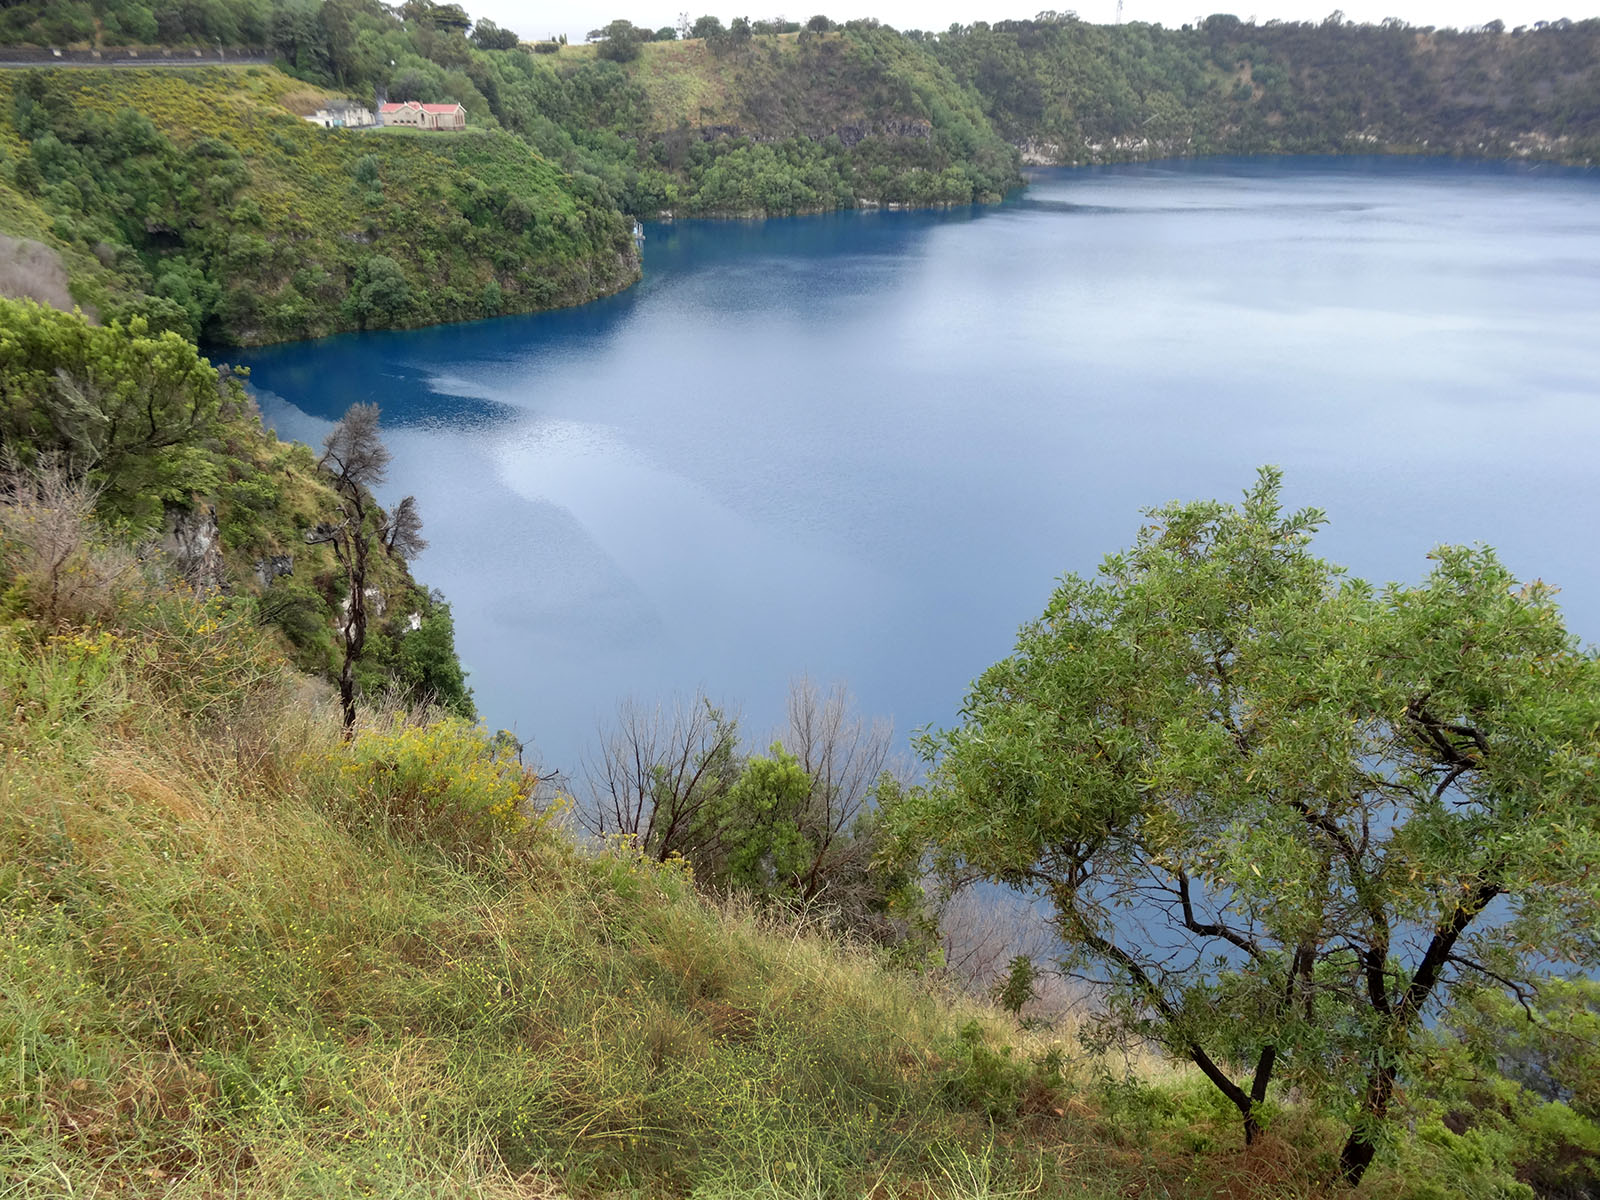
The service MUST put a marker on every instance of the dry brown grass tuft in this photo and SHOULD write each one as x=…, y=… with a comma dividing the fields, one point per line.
x=128, y=771
x=53, y=551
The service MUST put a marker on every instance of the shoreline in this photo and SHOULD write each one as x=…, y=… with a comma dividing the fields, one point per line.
x=213, y=350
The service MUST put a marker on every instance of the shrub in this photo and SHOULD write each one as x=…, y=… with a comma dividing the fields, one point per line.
x=446, y=783
x=55, y=561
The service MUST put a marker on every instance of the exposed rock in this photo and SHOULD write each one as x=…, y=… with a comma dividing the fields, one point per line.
x=32, y=271
x=273, y=567
x=377, y=604
x=191, y=539
x=1036, y=153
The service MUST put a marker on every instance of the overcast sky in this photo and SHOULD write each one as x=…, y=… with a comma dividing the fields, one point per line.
x=578, y=16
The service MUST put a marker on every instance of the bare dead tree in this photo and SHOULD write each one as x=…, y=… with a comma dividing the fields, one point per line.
x=52, y=546
x=658, y=774
x=981, y=931
x=356, y=460
x=844, y=755
x=403, y=537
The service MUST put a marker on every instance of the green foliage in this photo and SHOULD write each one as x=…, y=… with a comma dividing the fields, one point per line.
x=1516, y=1081
x=1551, y=1047
x=763, y=848
x=140, y=179
x=1272, y=774
x=379, y=294
x=135, y=426
x=419, y=664
x=1016, y=990
x=136, y=412
x=800, y=827
x=620, y=41
x=486, y=35
x=995, y=1079
x=1103, y=93
x=446, y=784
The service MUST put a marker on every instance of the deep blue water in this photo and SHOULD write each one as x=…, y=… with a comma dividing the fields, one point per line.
x=864, y=445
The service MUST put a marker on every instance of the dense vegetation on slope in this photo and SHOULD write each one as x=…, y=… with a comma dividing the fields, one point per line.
x=173, y=450
x=347, y=230
x=1075, y=92
x=768, y=123
x=195, y=199
x=734, y=124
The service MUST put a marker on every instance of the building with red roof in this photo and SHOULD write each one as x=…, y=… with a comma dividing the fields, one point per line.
x=423, y=116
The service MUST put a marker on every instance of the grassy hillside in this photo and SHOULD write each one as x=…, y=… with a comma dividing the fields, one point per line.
x=242, y=956
x=1073, y=92
x=169, y=450
x=774, y=123
x=198, y=199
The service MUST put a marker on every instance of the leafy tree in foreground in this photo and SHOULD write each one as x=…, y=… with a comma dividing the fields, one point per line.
x=128, y=408
x=1280, y=813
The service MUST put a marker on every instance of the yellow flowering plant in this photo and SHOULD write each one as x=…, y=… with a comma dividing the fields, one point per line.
x=448, y=781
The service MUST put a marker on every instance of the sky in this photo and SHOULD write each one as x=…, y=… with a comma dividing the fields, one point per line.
x=576, y=17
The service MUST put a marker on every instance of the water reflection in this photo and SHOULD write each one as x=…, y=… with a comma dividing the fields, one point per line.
x=863, y=445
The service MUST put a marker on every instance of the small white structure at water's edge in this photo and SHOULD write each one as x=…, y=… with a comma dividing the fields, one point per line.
x=343, y=114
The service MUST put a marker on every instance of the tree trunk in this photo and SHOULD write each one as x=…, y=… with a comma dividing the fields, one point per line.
x=1248, y=1103
x=347, y=694
x=1258, y=1093
x=355, y=630
x=1361, y=1147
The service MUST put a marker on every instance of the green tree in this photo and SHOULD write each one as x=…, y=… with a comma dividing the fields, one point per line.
x=486, y=35
x=129, y=409
x=380, y=293
x=1281, y=814
x=620, y=40
x=763, y=846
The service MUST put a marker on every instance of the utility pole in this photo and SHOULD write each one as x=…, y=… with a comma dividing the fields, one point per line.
x=1119, y=12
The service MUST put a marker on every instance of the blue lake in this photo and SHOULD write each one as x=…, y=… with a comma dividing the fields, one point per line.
x=863, y=446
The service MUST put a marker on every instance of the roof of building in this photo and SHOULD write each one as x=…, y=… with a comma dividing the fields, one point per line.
x=397, y=105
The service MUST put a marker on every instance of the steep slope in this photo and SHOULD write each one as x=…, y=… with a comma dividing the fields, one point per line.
x=170, y=450
x=242, y=956
x=770, y=123
x=196, y=198
x=1067, y=91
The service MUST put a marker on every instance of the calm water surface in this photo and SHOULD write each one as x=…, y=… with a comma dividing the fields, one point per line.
x=863, y=446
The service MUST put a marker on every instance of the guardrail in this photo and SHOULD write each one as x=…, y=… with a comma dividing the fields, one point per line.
x=121, y=56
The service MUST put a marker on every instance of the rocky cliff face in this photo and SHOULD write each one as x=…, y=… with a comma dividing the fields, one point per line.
x=191, y=539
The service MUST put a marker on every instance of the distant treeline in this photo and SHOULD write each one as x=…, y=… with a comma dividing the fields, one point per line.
x=1074, y=92
x=199, y=200
x=758, y=116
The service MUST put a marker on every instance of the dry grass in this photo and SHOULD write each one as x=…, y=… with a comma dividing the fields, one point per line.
x=57, y=558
